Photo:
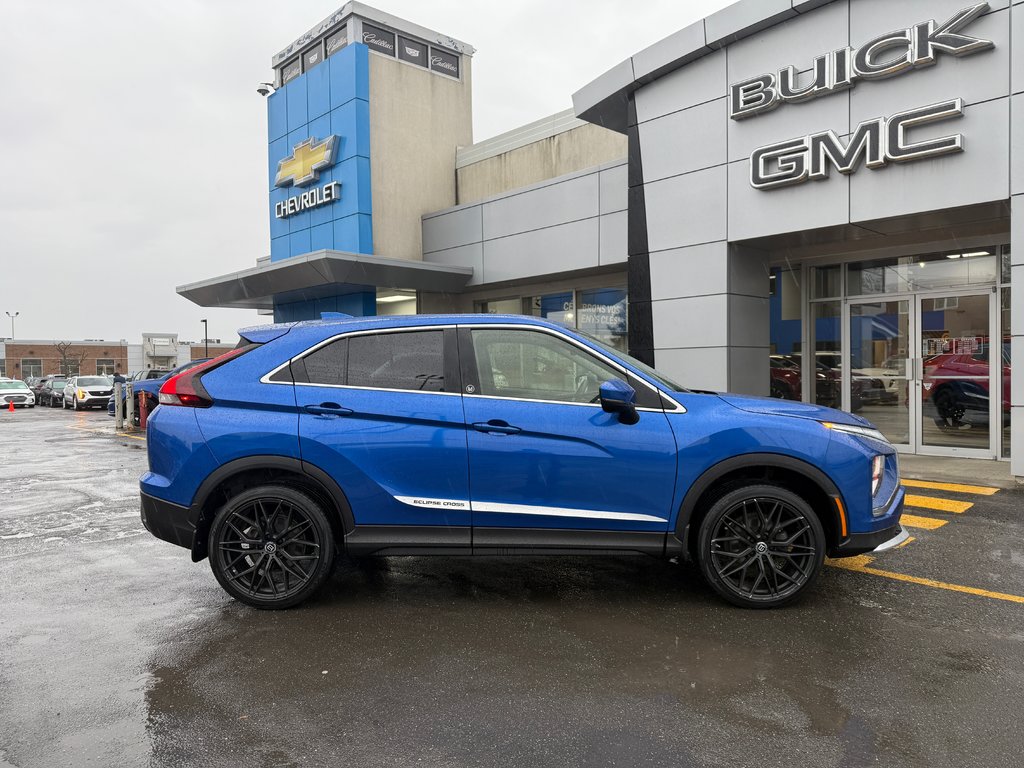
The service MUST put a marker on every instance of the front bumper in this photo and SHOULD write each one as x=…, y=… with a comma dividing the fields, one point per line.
x=169, y=521
x=886, y=538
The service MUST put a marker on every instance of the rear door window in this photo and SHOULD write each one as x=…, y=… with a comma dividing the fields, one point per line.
x=411, y=360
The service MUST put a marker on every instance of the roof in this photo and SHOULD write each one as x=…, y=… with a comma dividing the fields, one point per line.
x=321, y=274
x=604, y=101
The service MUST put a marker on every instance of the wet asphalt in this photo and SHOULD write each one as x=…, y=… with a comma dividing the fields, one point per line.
x=117, y=650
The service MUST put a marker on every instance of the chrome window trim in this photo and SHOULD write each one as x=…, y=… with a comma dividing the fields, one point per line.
x=265, y=378
x=676, y=406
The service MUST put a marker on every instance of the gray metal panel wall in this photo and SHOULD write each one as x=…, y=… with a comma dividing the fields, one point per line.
x=572, y=222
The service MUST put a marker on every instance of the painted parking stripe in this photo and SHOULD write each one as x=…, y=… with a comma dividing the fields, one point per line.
x=862, y=564
x=942, y=505
x=928, y=523
x=981, y=490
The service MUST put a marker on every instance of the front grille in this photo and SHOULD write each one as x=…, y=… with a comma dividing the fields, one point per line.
x=15, y=398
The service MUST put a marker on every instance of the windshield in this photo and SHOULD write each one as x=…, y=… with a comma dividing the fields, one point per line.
x=12, y=385
x=663, y=380
x=93, y=381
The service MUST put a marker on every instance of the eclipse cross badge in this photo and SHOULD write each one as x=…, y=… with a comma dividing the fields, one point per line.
x=307, y=159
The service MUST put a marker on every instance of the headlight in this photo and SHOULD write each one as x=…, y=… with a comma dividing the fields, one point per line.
x=877, y=472
x=850, y=429
x=81, y=394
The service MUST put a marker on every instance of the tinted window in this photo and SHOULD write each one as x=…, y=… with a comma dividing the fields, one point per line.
x=325, y=366
x=412, y=360
x=537, y=366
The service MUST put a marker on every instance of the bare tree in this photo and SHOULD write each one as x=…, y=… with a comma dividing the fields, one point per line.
x=70, y=359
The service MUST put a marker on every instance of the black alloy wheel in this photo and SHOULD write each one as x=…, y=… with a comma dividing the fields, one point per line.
x=271, y=547
x=761, y=546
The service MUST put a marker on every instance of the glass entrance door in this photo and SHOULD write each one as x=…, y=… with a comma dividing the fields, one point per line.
x=960, y=398
x=877, y=384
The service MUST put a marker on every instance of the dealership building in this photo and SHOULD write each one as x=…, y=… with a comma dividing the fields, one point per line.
x=811, y=200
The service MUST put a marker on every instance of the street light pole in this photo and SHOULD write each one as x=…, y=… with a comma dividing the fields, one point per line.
x=12, y=322
x=206, y=336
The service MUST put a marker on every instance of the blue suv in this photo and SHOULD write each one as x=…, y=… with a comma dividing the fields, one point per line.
x=497, y=435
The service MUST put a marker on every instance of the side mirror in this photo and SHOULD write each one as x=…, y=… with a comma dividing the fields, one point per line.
x=618, y=397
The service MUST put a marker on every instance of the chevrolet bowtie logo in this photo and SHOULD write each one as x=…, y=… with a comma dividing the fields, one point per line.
x=306, y=161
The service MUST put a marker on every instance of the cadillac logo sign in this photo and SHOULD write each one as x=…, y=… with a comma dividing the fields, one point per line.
x=877, y=142
x=302, y=168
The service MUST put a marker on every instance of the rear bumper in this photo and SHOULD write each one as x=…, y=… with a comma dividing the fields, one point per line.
x=169, y=521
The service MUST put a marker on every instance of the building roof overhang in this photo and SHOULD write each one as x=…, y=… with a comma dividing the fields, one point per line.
x=321, y=274
x=605, y=101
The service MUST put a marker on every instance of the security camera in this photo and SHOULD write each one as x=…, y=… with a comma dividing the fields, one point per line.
x=265, y=89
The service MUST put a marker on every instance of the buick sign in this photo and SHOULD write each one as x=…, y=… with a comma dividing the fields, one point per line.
x=889, y=55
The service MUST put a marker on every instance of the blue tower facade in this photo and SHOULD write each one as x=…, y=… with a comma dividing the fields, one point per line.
x=320, y=194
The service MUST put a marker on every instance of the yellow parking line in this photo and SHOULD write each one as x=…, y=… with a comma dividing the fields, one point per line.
x=982, y=490
x=942, y=505
x=929, y=523
x=908, y=540
x=861, y=564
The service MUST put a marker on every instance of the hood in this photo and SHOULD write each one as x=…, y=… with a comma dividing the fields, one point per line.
x=772, y=406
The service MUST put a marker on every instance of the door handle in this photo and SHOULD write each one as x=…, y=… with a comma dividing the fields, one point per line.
x=328, y=409
x=496, y=427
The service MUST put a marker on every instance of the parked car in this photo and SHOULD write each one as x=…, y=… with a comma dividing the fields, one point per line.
x=491, y=434
x=87, y=392
x=52, y=392
x=149, y=373
x=150, y=387
x=16, y=392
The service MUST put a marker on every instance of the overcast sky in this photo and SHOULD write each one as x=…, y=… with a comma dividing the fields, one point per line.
x=134, y=143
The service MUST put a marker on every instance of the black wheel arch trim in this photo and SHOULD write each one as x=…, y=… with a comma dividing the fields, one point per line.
x=287, y=463
x=744, y=461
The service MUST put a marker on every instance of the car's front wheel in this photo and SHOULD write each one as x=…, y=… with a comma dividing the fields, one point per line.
x=271, y=547
x=760, y=546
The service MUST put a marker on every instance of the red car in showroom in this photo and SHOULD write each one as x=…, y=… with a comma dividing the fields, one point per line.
x=955, y=387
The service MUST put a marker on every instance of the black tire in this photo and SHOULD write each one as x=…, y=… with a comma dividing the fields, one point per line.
x=283, y=530
x=948, y=407
x=760, y=546
x=78, y=406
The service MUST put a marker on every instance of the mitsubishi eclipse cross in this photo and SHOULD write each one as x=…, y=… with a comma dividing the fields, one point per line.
x=498, y=435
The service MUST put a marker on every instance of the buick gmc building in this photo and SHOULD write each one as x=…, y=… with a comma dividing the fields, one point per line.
x=810, y=200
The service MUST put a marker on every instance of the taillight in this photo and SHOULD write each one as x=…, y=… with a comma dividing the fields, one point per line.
x=187, y=388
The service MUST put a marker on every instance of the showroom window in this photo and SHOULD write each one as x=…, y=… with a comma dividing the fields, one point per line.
x=104, y=367
x=785, y=303
x=31, y=366
x=599, y=312
x=3, y=367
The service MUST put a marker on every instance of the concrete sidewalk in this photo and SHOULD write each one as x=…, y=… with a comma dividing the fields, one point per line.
x=956, y=470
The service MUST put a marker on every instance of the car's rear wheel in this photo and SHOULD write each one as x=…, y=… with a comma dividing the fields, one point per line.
x=760, y=546
x=271, y=547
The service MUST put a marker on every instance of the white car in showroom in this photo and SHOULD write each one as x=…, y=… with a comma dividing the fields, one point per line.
x=87, y=392
x=17, y=392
